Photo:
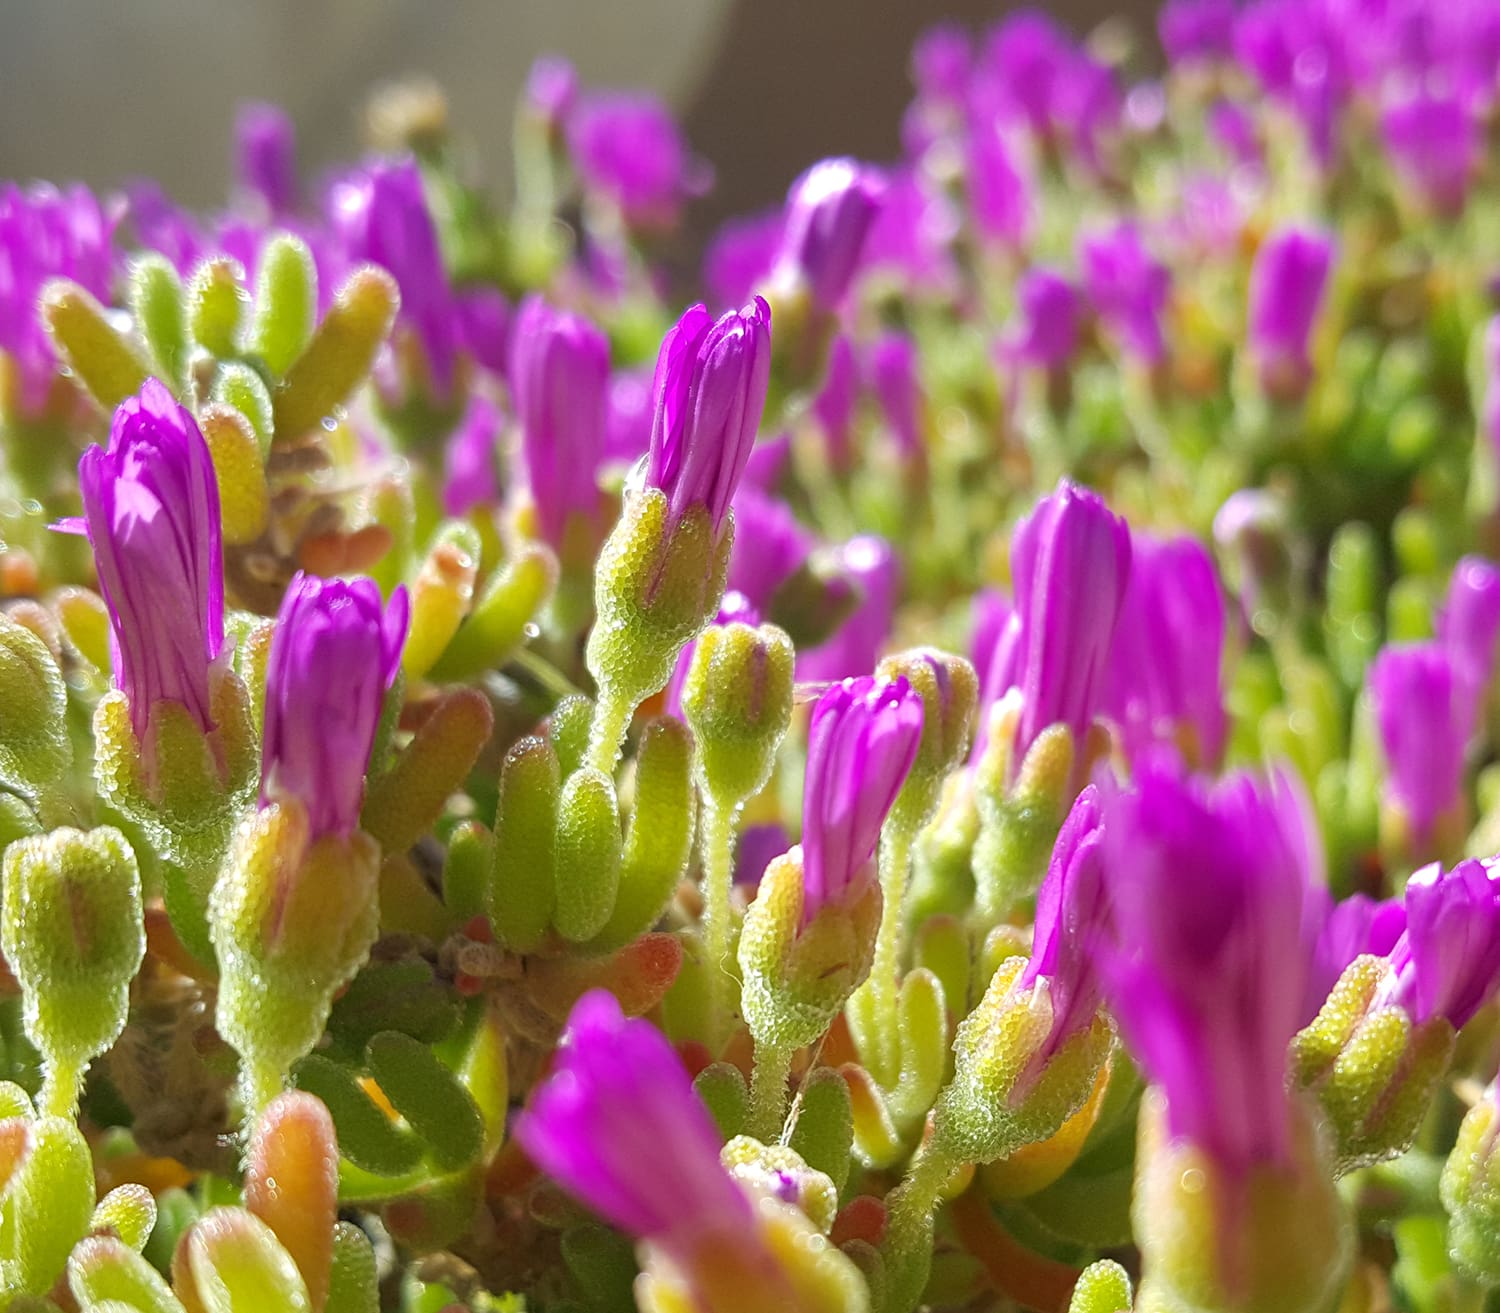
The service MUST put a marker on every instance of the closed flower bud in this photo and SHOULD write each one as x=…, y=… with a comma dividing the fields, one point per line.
x=266, y=158
x=1287, y=286
x=618, y=1125
x=830, y=209
x=74, y=936
x=334, y=652
x=151, y=512
x=949, y=690
x=1164, y=681
x=1424, y=712
x=1469, y=621
x=559, y=371
x=628, y=149
x=661, y=575
x=1070, y=560
x=738, y=702
x=1129, y=289
x=382, y=216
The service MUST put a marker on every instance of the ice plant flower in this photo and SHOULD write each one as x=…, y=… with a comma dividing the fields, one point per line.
x=1447, y=961
x=266, y=158
x=871, y=566
x=618, y=1125
x=1049, y=313
x=380, y=214
x=334, y=652
x=861, y=745
x=741, y=255
x=1072, y=908
x=661, y=575
x=1287, y=286
x=1197, y=29
x=485, y=326
x=1211, y=883
x=627, y=147
x=833, y=407
x=1469, y=621
x=829, y=211
x=1000, y=193
x=1375, y=1052
x=770, y=545
x=1164, y=680
x=809, y=936
x=1070, y=563
x=1128, y=287
x=1357, y=926
x=1424, y=714
x=472, y=475
x=893, y=378
x=709, y=391
x=1435, y=143
x=151, y=512
x=559, y=373
x=551, y=89
x=46, y=233
x=1213, y=907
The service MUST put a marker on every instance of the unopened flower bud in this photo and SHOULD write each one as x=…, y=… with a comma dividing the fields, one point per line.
x=778, y=1171
x=1377, y=1049
x=1287, y=285
x=829, y=213
x=949, y=690
x=738, y=702
x=73, y=934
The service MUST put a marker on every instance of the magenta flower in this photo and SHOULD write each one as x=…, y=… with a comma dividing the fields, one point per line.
x=470, y=465
x=1287, y=286
x=741, y=256
x=618, y=1125
x=992, y=614
x=913, y=233
x=1424, y=712
x=265, y=149
x=627, y=424
x=1352, y=928
x=559, y=373
x=893, y=378
x=829, y=211
x=770, y=545
x=1164, y=678
x=708, y=394
x=1072, y=911
x=1197, y=29
x=484, y=324
x=627, y=146
x=941, y=62
x=1128, y=287
x=1211, y=899
x=334, y=653
x=46, y=233
x=861, y=744
x=381, y=215
x=151, y=512
x=834, y=405
x=999, y=192
x=1469, y=621
x=1049, y=315
x=874, y=570
x=551, y=90
x=1070, y=563
x=1447, y=962
x=1435, y=143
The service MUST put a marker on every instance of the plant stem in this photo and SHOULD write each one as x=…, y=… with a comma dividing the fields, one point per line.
x=59, y=1093
x=717, y=848
x=773, y=1064
x=885, y=971
x=611, y=720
